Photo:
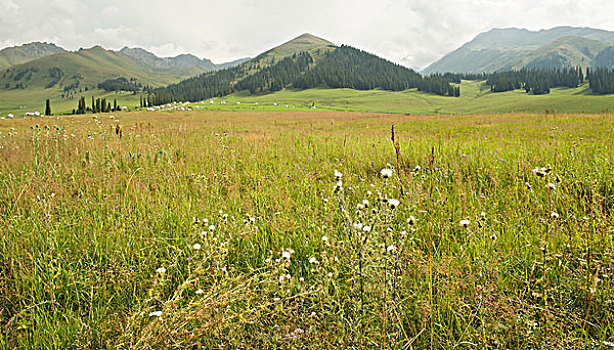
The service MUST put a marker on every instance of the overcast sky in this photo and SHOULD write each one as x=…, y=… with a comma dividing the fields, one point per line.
x=411, y=32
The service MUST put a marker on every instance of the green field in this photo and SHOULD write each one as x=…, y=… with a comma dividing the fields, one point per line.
x=475, y=99
x=104, y=242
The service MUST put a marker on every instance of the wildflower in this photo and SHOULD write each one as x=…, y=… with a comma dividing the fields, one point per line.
x=155, y=314
x=411, y=221
x=211, y=227
x=464, y=223
x=393, y=203
x=282, y=278
x=330, y=274
x=358, y=226
x=360, y=206
x=365, y=203
x=391, y=248
x=199, y=291
x=338, y=175
x=301, y=279
x=369, y=193
x=276, y=299
x=339, y=186
x=324, y=238
x=286, y=255
x=325, y=200
x=551, y=186
x=267, y=260
x=386, y=173
x=483, y=215
x=161, y=270
x=554, y=215
x=366, y=228
x=224, y=269
x=312, y=260
x=196, y=246
x=417, y=168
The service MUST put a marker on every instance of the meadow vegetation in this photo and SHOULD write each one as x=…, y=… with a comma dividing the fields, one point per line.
x=296, y=229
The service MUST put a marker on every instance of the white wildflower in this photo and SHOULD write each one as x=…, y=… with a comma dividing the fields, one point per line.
x=386, y=173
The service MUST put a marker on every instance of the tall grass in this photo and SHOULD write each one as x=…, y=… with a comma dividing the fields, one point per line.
x=230, y=230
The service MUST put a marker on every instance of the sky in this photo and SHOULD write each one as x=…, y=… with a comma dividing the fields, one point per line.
x=414, y=33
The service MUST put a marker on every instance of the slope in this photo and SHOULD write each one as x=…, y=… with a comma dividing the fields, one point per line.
x=12, y=56
x=511, y=48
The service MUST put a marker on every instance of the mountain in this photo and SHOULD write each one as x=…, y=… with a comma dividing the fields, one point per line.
x=87, y=68
x=11, y=56
x=303, y=43
x=512, y=48
x=149, y=60
x=302, y=63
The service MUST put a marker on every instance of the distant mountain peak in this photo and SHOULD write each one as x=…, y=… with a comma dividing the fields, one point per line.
x=514, y=48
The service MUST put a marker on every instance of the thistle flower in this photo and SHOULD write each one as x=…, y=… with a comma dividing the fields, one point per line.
x=464, y=223
x=386, y=173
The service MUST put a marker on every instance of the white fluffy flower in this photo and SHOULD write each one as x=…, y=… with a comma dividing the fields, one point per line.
x=161, y=270
x=386, y=173
x=393, y=203
x=464, y=223
x=196, y=246
x=338, y=175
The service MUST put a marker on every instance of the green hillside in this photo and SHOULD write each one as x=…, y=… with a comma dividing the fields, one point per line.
x=511, y=48
x=304, y=43
x=12, y=56
x=475, y=99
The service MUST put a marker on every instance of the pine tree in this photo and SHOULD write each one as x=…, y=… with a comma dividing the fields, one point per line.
x=48, y=107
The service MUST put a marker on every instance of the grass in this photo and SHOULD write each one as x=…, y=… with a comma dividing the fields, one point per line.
x=474, y=99
x=87, y=218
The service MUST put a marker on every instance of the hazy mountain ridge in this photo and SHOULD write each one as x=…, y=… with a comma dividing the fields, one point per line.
x=86, y=68
x=11, y=56
x=512, y=48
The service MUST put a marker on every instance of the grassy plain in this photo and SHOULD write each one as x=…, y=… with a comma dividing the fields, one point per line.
x=475, y=99
x=87, y=221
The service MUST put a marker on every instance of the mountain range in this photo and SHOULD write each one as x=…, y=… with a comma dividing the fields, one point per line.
x=512, y=48
x=44, y=65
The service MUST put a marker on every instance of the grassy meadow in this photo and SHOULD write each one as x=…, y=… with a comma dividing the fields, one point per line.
x=298, y=229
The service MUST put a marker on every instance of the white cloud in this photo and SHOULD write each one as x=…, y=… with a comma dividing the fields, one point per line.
x=412, y=32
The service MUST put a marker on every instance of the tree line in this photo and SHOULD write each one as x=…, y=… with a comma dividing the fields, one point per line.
x=344, y=67
x=99, y=105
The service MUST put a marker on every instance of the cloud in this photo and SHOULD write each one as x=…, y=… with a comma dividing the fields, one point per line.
x=411, y=32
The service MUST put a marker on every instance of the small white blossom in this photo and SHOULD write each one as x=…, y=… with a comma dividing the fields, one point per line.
x=464, y=223
x=196, y=246
x=155, y=314
x=551, y=186
x=200, y=291
x=391, y=248
x=386, y=173
x=312, y=260
x=338, y=175
x=554, y=215
x=393, y=203
x=161, y=270
x=286, y=255
x=366, y=228
x=324, y=238
x=211, y=227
